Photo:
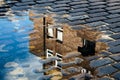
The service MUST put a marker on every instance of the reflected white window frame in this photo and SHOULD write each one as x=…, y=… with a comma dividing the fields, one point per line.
x=59, y=56
x=50, y=31
x=59, y=34
x=49, y=53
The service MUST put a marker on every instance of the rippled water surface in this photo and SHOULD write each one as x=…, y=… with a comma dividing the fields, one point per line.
x=16, y=62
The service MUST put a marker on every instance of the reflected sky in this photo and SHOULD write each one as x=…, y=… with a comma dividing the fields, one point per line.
x=16, y=62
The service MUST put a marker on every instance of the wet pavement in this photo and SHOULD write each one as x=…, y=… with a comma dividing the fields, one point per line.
x=103, y=15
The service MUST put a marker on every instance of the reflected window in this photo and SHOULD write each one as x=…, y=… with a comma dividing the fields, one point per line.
x=59, y=56
x=49, y=53
x=50, y=32
x=59, y=33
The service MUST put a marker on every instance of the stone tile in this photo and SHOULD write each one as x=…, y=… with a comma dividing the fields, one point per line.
x=115, y=49
x=113, y=4
x=116, y=30
x=97, y=3
x=78, y=10
x=105, y=78
x=80, y=6
x=106, y=70
x=100, y=62
x=77, y=13
x=60, y=5
x=115, y=36
x=99, y=7
x=112, y=8
x=95, y=19
x=62, y=1
x=114, y=43
x=78, y=22
x=116, y=57
x=114, y=25
x=73, y=18
x=98, y=23
x=98, y=14
x=117, y=65
x=114, y=11
x=61, y=9
x=113, y=20
x=105, y=53
x=96, y=10
x=78, y=2
x=113, y=16
x=117, y=76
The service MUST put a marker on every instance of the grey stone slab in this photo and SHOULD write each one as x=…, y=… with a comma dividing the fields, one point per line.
x=115, y=49
x=112, y=1
x=113, y=15
x=96, y=10
x=105, y=78
x=78, y=13
x=99, y=7
x=78, y=2
x=98, y=23
x=114, y=4
x=114, y=25
x=97, y=3
x=117, y=65
x=94, y=0
x=73, y=18
x=105, y=53
x=25, y=3
x=115, y=36
x=78, y=10
x=114, y=11
x=61, y=9
x=106, y=70
x=80, y=6
x=113, y=7
x=98, y=14
x=116, y=30
x=62, y=1
x=100, y=62
x=95, y=19
x=26, y=0
x=78, y=22
x=114, y=43
x=113, y=20
x=60, y=5
x=116, y=57
x=117, y=76
x=20, y=8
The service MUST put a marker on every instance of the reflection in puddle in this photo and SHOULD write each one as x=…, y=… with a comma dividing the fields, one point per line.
x=17, y=63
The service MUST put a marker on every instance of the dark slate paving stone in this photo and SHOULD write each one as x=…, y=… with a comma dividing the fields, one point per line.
x=113, y=15
x=113, y=4
x=62, y=1
x=78, y=2
x=97, y=3
x=60, y=5
x=25, y=3
x=115, y=49
x=73, y=18
x=117, y=76
x=95, y=19
x=115, y=36
x=106, y=78
x=116, y=57
x=98, y=23
x=78, y=22
x=105, y=54
x=26, y=0
x=98, y=14
x=114, y=25
x=105, y=70
x=20, y=8
x=112, y=1
x=78, y=10
x=117, y=65
x=114, y=11
x=78, y=13
x=96, y=10
x=100, y=62
x=3, y=10
x=114, y=43
x=112, y=8
x=113, y=20
x=80, y=6
x=94, y=0
x=61, y=9
x=93, y=58
x=99, y=7
x=116, y=30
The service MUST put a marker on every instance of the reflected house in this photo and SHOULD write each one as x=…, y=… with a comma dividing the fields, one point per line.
x=62, y=46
